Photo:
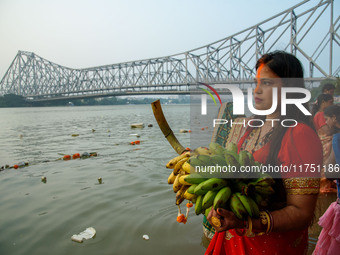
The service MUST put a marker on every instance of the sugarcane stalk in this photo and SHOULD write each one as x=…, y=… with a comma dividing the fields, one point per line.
x=164, y=126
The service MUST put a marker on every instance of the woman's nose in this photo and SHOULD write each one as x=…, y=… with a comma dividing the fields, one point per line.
x=258, y=88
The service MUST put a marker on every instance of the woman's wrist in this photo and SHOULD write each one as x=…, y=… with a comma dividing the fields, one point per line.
x=252, y=227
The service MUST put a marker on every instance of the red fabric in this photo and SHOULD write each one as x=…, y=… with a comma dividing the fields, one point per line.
x=300, y=145
x=287, y=243
x=319, y=120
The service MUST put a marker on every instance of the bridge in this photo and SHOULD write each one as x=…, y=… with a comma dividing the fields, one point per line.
x=309, y=30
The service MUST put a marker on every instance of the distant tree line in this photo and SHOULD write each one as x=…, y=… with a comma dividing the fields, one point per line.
x=12, y=100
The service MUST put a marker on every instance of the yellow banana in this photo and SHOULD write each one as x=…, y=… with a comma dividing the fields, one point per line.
x=189, y=196
x=171, y=178
x=186, y=167
x=171, y=164
x=180, y=194
x=182, y=180
x=179, y=165
x=177, y=185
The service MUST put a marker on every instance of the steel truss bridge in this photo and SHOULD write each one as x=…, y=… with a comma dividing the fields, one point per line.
x=308, y=30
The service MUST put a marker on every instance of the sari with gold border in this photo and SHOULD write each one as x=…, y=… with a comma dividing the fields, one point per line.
x=300, y=146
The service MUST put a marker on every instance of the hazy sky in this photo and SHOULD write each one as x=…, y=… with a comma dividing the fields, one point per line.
x=86, y=33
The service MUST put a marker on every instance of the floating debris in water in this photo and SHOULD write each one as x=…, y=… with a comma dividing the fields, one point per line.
x=100, y=180
x=67, y=157
x=135, y=142
x=74, y=135
x=43, y=179
x=86, y=234
x=137, y=125
x=93, y=130
x=136, y=135
x=85, y=155
x=150, y=125
x=76, y=155
x=20, y=164
x=183, y=131
x=146, y=237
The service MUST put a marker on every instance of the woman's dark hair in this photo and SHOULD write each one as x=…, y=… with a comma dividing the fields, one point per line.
x=333, y=111
x=321, y=98
x=286, y=66
x=327, y=86
x=290, y=70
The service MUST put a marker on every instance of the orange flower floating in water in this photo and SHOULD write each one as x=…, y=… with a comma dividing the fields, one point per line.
x=67, y=157
x=76, y=155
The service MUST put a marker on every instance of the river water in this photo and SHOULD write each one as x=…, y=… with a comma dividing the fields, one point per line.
x=133, y=200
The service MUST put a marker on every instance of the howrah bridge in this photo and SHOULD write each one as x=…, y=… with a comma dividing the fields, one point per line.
x=309, y=30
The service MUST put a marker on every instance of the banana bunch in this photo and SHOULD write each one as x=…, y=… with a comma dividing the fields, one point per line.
x=242, y=196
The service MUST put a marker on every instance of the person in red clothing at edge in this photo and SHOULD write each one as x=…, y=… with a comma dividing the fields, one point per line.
x=291, y=208
x=324, y=133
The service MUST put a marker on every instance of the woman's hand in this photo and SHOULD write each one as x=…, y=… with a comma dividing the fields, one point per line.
x=227, y=219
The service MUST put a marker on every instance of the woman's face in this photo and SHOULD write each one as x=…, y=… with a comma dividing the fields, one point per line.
x=330, y=121
x=266, y=80
x=325, y=104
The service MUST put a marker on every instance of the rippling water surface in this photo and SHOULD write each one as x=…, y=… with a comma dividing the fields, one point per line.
x=134, y=199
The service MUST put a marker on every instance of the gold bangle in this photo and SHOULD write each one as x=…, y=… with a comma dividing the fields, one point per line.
x=266, y=220
x=271, y=220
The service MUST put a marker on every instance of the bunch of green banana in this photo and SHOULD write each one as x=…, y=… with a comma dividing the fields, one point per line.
x=242, y=196
x=242, y=206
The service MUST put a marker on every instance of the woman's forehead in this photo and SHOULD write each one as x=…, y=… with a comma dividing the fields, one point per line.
x=265, y=72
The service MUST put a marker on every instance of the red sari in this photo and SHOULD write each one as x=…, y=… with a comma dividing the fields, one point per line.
x=300, y=145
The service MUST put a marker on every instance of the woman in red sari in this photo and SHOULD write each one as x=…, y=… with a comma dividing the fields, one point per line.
x=324, y=132
x=325, y=135
x=292, y=207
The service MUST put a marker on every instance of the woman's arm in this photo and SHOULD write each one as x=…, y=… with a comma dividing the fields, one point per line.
x=298, y=214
